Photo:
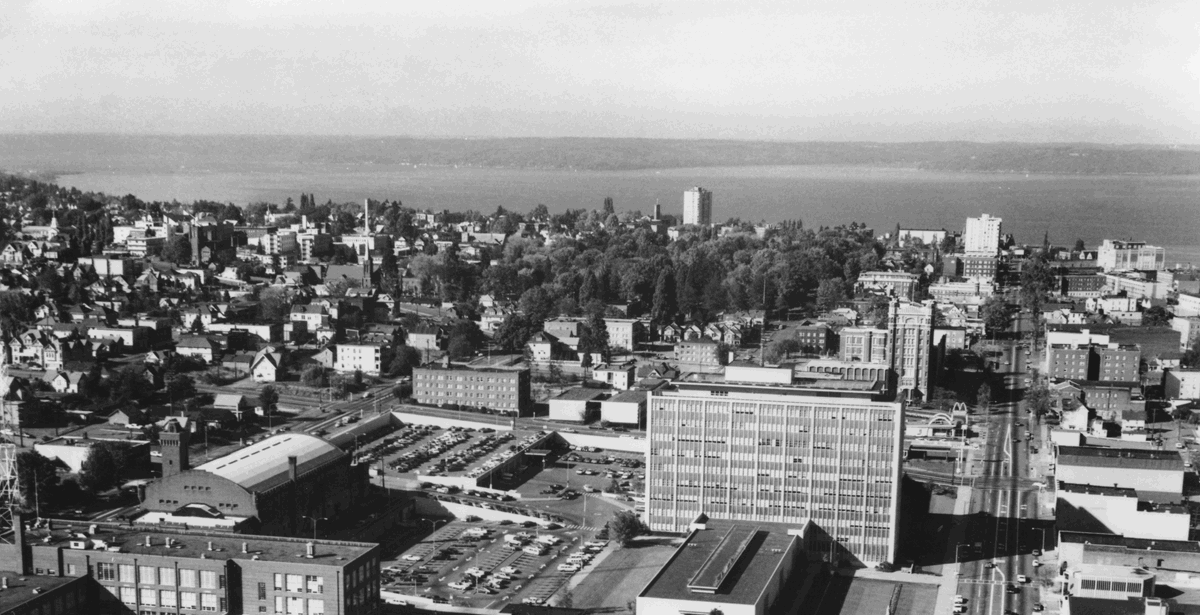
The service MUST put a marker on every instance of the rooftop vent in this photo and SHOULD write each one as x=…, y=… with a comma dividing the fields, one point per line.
x=310, y=550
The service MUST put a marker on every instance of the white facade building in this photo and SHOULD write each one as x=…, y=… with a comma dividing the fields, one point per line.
x=697, y=206
x=982, y=235
x=1116, y=255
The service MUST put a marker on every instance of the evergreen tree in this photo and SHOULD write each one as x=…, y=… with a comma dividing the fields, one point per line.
x=664, y=309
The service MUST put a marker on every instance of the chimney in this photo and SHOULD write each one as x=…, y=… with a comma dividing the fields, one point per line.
x=310, y=549
x=168, y=542
x=3, y=582
x=149, y=541
x=292, y=468
x=245, y=548
x=210, y=545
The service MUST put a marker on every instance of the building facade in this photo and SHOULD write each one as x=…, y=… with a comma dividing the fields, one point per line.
x=504, y=390
x=778, y=453
x=982, y=235
x=910, y=330
x=1116, y=255
x=697, y=206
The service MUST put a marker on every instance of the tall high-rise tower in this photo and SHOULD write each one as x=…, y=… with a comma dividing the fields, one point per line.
x=910, y=337
x=982, y=235
x=697, y=206
x=173, y=441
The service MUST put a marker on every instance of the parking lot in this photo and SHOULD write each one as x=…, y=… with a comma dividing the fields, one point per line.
x=489, y=564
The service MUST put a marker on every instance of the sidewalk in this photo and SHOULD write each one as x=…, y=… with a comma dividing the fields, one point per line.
x=948, y=582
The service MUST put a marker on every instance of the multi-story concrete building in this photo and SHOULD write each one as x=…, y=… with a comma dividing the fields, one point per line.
x=982, y=235
x=910, y=339
x=815, y=450
x=814, y=338
x=367, y=357
x=700, y=352
x=1182, y=384
x=1116, y=255
x=1082, y=285
x=982, y=267
x=697, y=206
x=866, y=344
x=152, y=570
x=623, y=333
x=1101, y=362
x=892, y=283
x=505, y=390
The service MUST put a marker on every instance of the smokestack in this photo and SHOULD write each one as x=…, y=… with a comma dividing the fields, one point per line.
x=366, y=216
x=149, y=541
x=310, y=550
x=292, y=468
x=245, y=548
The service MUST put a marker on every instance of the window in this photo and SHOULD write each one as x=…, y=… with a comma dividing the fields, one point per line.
x=129, y=596
x=280, y=603
x=106, y=571
x=71, y=569
x=278, y=583
x=166, y=597
x=208, y=602
x=208, y=579
x=316, y=585
x=149, y=597
x=187, y=600
x=295, y=583
x=295, y=606
x=126, y=574
x=316, y=607
x=149, y=575
x=262, y=591
x=187, y=578
x=166, y=576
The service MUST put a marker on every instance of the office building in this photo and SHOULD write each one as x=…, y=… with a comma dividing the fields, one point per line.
x=1116, y=255
x=1099, y=362
x=1181, y=384
x=910, y=338
x=504, y=390
x=159, y=571
x=697, y=206
x=866, y=344
x=982, y=235
x=980, y=267
x=700, y=577
x=891, y=283
x=815, y=450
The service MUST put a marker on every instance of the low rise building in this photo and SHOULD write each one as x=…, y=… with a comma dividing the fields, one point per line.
x=1150, y=472
x=620, y=377
x=700, y=352
x=1118, y=510
x=627, y=408
x=367, y=357
x=576, y=405
x=892, y=283
x=1181, y=384
x=731, y=568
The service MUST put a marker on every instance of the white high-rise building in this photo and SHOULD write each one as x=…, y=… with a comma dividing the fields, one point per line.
x=1115, y=255
x=982, y=235
x=697, y=206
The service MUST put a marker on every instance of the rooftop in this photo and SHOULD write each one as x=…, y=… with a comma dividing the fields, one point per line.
x=264, y=464
x=629, y=397
x=726, y=563
x=194, y=544
x=1118, y=492
x=580, y=394
x=1104, y=606
x=22, y=588
x=1126, y=458
x=1132, y=544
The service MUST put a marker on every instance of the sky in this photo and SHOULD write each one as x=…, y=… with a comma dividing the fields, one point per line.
x=1108, y=71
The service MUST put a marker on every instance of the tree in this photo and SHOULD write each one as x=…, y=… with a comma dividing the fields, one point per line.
x=984, y=396
x=404, y=359
x=830, y=293
x=536, y=304
x=1180, y=414
x=1037, y=399
x=273, y=304
x=181, y=386
x=663, y=307
x=1079, y=245
x=1157, y=316
x=38, y=479
x=268, y=397
x=513, y=333
x=315, y=376
x=99, y=471
x=995, y=315
x=594, y=337
x=625, y=526
x=178, y=250
x=465, y=339
x=1036, y=281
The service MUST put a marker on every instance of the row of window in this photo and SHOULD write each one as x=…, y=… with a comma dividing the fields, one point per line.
x=151, y=575
x=132, y=597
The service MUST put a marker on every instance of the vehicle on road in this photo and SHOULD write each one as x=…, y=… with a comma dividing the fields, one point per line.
x=1022, y=579
x=411, y=558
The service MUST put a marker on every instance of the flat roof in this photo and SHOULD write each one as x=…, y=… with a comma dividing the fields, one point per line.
x=21, y=588
x=1121, y=492
x=193, y=544
x=739, y=560
x=1126, y=458
x=580, y=394
x=1105, y=606
x=1132, y=544
x=264, y=464
x=628, y=397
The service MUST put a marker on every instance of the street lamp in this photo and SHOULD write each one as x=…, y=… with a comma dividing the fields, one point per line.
x=314, y=523
x=1043, y=531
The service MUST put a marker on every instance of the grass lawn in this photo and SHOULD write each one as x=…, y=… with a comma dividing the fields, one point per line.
x=621, y=576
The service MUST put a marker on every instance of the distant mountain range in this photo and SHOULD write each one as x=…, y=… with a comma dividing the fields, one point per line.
x=73, y=153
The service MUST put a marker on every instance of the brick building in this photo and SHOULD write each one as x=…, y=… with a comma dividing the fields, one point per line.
x=505, y=390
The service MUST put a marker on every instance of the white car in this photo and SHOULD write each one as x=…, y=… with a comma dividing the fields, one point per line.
x=411, y=558
x=460, y=585
x=1022, y=578
x=508, y=570
x=1036, y=563
x=568, y=568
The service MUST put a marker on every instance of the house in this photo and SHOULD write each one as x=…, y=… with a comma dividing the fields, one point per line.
x=326, y=357
x=202, y=347
x=619, y=377
x=231, y=402
x=427, y=338
x=266, y=365
x=314, y=314
x=128, y=416
x=669, y=332
x=68, y=382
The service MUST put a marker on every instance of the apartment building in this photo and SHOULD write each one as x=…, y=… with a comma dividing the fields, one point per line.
x=814, y=450
x=892, y=283
x=982, y=235
x=697, y=206
x=1098, y=362
x=367, y=357
x=866, y=344
x=504, y=390
x=910, y=331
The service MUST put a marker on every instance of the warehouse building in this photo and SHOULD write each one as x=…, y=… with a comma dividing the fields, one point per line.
x=268, y=487
x=1155, y=475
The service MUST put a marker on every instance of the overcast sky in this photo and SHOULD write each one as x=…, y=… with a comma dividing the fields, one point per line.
x=889, y=70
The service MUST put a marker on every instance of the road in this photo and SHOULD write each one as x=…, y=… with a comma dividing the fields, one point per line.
x=1003, y=506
